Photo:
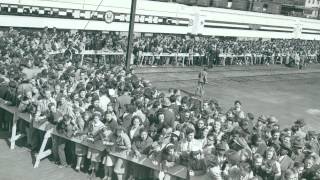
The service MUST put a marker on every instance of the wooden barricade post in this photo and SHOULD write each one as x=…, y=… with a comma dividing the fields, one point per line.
x=42, y=153
x=14, y=135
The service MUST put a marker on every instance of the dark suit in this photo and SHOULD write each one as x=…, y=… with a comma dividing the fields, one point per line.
x=169, y=116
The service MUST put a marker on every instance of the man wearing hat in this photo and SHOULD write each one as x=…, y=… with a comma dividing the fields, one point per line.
x=124, y=99
x=197, y=165
x=299, y=125
x=297, y=154
x=11, y=99
x=260, y=125
x=202, y=80
x=169, y=114
x=220, y=154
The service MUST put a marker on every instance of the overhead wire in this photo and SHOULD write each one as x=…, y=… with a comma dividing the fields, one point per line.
x=89, y=19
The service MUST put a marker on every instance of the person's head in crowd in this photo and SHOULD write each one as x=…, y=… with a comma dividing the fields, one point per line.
x=96, y=117
x=95, y=101
x=89, y=87
x=257, y=160
x=270, y=153
x=108, y=116
x=57, y=88
x=309, y=162
x=28, y=94
x=316, y=173
x=196, y=154
x=175, y=137
x=166, y=131
x=67, y=119
x=88, y=98
x=177, y=92
x=267, y=134
x=244, y=123
x=120, y=131
x=262, y=120
x=82, y=93
x=12, y=85
x=294, y=129
x=200, y=124
x=143, y=134
x=166, y=103
x=77, y=112
x=52, y=107
x=237, y=105
x=217, y=126
x=136, y=121
x=290, y=174
x=312, y=136
x=300, y=123
x=215, y=171
x=152, y=132
x=110, y=108
x=210, y=140
x=74, y=96
x=86, y=116
x=275, y=133
x=299, y=167
x=276, y=127
x=287, y=131
x=170, y=149
x=171, y=91
x=160, y=117
x=271, y=121
x=47, y=93
x=83, y=75
x=221, y=148
x=190, y=134
x=63, y=100
x=286, y=141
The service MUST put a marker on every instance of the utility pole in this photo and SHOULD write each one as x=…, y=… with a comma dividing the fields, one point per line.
x=131, y=34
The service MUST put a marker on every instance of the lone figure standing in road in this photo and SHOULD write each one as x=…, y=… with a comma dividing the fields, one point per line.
x=202, y=79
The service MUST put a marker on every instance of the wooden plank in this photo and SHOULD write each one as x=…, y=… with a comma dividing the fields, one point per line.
x=13, y=131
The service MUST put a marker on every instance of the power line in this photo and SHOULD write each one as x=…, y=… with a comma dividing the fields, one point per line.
x=95, y=10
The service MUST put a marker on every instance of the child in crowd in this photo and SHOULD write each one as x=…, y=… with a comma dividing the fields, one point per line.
x=95, y=127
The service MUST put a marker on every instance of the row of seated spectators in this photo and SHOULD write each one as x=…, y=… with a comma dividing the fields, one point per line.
x=33, y=46
x=129, y=116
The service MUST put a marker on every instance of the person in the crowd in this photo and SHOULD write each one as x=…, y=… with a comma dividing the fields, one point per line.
x=65, y=128
x=122, y=145
x=141, y=145
x=95, y=126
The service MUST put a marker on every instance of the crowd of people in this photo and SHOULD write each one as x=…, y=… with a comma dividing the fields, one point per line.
x=34, y=45
x=129, y=116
